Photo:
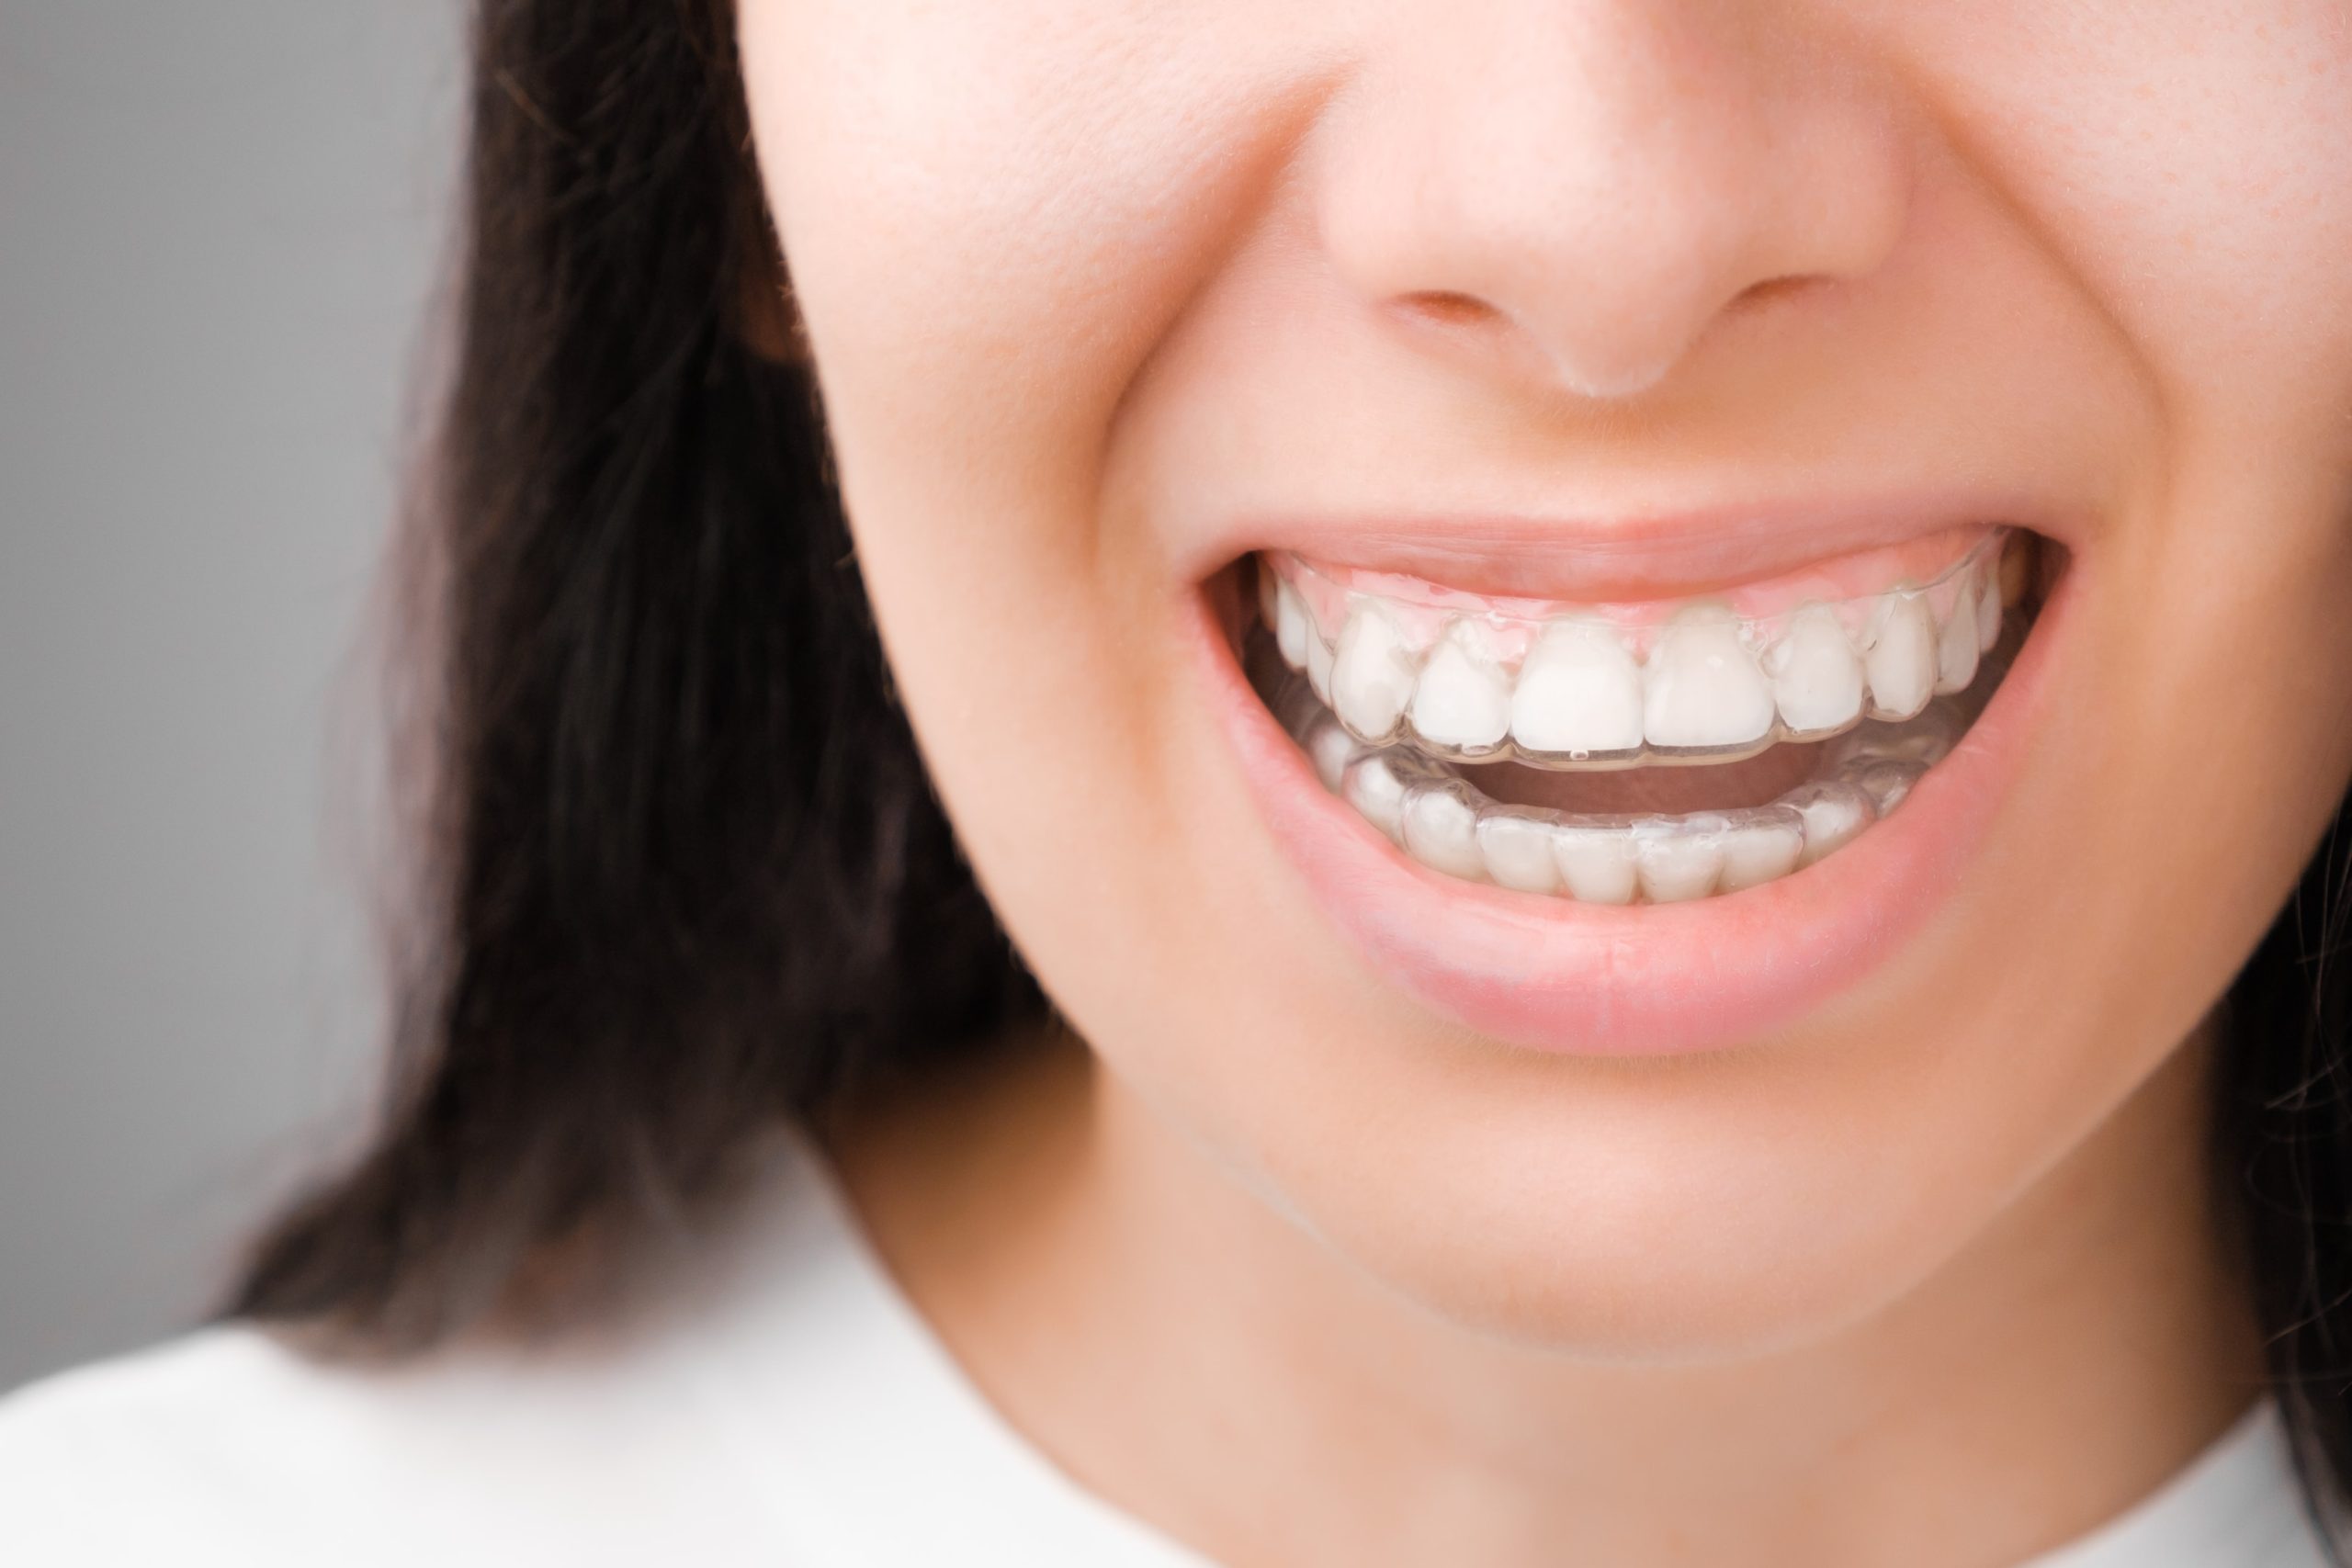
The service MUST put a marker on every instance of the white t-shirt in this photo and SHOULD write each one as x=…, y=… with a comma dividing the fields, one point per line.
x=793, y=1412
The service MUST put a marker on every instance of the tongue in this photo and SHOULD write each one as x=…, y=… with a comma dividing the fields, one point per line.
x=1664, y=790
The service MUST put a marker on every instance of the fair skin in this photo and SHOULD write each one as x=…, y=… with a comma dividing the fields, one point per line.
x=1312, y=1253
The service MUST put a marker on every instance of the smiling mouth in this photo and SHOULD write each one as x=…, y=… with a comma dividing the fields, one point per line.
x=1649, y=752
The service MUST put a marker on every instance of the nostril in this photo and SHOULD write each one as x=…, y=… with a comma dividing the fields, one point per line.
x=1446, y=309
x=1775, y=290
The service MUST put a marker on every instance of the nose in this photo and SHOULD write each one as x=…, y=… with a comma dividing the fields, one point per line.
x=1581, y=189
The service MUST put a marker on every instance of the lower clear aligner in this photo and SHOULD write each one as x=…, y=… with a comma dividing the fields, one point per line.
x=1443, y=822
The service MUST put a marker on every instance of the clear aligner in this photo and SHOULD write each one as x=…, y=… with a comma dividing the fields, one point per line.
x=1609, y=687
x=1445, y=822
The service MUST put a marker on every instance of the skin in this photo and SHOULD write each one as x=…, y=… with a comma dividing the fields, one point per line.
x=1296, y=1269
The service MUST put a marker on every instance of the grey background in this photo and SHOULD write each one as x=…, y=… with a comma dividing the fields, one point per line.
x=219, y=223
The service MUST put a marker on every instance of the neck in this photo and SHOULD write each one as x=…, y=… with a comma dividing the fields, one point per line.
x=1201, y=1360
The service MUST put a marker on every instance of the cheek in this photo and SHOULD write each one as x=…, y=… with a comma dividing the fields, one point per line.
x=2200, y=192
x=993, y=213
x=2201, y=198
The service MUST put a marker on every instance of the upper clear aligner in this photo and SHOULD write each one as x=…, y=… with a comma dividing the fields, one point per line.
x=1580, y=690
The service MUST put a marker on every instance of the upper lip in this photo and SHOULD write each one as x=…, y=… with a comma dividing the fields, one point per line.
x=1644, y=556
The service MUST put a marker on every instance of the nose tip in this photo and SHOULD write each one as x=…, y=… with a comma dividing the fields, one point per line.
x=1616, y=366
x=1580, y=196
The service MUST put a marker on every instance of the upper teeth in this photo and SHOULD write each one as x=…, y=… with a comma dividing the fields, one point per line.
x=1817, y=681
x=1579, y=689
x=1701, y=688
x=1901, y=661
x=1463, y=699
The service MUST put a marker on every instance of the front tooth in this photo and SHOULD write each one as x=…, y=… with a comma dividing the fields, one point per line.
x=1373, y=677
x=1518, y=852
x=1442, y=831
x=1703, y=689
x=1763, y=846
x=1463, y=699
x=1580, y=692
x=1290, y=625
x=1678, y=861
x=1596, y=864
x=1956, y=648
x=1833, y=814
x=1901, y=662
x=1817, y=679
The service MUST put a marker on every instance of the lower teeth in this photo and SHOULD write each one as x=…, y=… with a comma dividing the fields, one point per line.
x=1439, y=818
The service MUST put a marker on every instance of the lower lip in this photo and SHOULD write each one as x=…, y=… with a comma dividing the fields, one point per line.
x=1649, y=980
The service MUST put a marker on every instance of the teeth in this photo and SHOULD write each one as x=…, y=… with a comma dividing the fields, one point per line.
x=1372, y=678
x=1375, y=789
x=1330, y=749
x=1704, y=690
x=1678, y=861
x=1463, y=699
x=1887, y=783
x=1764, y=848
x=1291, y=634
x=1441, y=829
x=1578, y=688
x=1596, y=864
x=1902, y=661
x=1988, y=615
x=1833, y=815
x=1956, y=648
x=1580, y=693
x=1817, y=679
x=1447, y=824
x=1518, y=852
x=1318, y=667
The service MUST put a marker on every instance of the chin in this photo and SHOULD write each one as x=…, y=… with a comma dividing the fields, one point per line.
x=1715, y=1212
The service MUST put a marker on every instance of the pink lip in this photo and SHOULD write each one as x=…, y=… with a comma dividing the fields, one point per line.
x=1555, y=976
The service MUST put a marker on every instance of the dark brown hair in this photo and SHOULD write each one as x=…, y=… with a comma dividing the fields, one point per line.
x=684, y=873
x=684, y=870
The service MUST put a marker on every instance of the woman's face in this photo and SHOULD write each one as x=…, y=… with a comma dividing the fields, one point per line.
x=1540, y=339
